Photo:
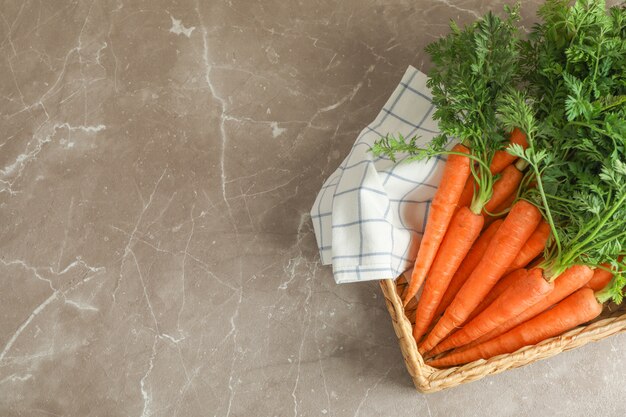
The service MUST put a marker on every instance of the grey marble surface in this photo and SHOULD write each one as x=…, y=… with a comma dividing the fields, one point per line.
x=157, y=164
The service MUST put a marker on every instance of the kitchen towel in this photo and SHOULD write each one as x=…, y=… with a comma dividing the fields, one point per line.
x=370, y=214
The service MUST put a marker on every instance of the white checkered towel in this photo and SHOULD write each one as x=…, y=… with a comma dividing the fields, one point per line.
x=370, y=213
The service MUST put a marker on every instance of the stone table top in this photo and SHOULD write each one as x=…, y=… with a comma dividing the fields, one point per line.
x=158, y=161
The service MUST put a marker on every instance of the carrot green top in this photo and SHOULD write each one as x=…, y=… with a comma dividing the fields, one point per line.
x=472, y=68
x=574, y=69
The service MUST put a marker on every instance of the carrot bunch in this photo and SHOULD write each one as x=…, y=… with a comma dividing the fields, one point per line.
x=525, y=236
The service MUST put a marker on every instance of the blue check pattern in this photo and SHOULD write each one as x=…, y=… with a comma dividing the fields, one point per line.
x=370, y=213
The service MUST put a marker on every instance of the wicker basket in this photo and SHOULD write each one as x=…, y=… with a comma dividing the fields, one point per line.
x=429, y=379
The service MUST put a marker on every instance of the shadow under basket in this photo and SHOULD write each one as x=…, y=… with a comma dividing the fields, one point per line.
x=429, y=379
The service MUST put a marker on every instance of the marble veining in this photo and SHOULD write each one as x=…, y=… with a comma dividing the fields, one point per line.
x=158, y=161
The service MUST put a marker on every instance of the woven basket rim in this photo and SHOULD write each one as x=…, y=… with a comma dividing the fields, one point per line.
x=428, y=379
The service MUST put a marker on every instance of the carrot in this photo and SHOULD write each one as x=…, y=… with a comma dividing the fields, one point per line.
x=504, y=187
x=600, y=279
x=461, y=234
x=533, y=246
x=506, y=243
x=518, y=297
x=455, y=173
x=468, y=193
x=501, y=160
x=499, y=288
x=572, y=279
x=576, y=309
x=506, y=204
x=472, y=259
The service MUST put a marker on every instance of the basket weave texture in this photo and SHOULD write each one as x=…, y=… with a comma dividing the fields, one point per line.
x=429, y=379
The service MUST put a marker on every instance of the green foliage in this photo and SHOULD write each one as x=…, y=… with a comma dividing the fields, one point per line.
x=575, y=75
x=391, y=146
x=473, y=67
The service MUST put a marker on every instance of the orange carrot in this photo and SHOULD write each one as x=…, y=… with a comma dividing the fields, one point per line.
x=468, y=193
x=504, y=187
x=533, y=246
x=506, y=204
x=504, y=283
x=505, y=245
x=501, y=159
x=455, y=173
x=600, y=279
x=576, y=309
x=472, y=259
x=518, y=297
x=461, y=234
x=574, y=278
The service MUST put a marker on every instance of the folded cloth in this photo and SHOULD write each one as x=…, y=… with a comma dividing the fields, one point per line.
x=369, y=215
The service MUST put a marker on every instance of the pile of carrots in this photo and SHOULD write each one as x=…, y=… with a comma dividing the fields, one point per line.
x=478, y=299
x=525, y=236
